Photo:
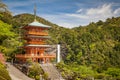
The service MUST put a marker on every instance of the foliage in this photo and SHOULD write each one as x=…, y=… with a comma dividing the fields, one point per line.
x=45, y=76
x=3, y=73
x=70, y=72
x=95, y=45
x=5, y=14
x=3, y=7
x=35, y=71
x=5, y=30
x=9, y=41
x=113, y=71
x=29, y=61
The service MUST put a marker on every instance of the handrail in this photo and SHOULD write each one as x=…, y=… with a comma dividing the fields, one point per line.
x=40, y=42
x=37, y=33
x=29, y=55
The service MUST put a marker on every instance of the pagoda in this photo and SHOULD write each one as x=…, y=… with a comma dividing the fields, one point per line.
x=36, y=35
x=35, y=47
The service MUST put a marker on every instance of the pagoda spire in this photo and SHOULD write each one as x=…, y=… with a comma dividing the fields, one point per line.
x=35, y=12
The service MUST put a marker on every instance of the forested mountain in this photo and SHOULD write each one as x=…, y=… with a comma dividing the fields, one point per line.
x=86, y=50
x=96, y=45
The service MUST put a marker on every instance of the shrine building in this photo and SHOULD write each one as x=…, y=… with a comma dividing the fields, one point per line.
x=36, y=35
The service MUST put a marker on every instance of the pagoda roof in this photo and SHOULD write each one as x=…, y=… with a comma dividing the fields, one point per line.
x=37, y=24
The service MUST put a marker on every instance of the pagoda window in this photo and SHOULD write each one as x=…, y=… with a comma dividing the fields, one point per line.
x=38, y=53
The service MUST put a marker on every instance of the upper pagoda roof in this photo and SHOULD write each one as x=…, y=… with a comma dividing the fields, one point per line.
x=37, y=24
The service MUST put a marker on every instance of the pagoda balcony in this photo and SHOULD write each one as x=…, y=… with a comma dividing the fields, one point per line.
x=36, y=43
x=35, y=56
x=35, y=36
x=38, y=33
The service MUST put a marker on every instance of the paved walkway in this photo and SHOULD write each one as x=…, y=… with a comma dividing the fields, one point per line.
x=16, y=74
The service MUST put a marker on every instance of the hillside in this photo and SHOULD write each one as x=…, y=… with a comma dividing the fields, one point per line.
x=23, y=19
x=96, y=45
x=86, y=50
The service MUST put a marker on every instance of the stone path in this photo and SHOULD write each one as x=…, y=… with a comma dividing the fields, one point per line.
x=52, y=71
x=16, y=74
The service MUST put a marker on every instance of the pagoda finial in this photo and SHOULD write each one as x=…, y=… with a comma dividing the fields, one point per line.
x=35, y=12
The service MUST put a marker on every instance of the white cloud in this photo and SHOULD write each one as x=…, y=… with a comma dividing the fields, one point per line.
x=102, y=10
x=80, y=16
x=93, y=14
x=117, y=11
x=83, y=16
x=80, y=10
x=77, y=16
x=60, y=19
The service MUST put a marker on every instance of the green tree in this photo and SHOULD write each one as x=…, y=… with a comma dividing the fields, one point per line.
x=35, y=71
x=113, y=71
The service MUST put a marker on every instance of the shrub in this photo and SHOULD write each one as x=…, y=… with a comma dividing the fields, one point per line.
x=99, y=76
x=113, y=71
x=35, y=71
x=3, y=73
x=45, y=76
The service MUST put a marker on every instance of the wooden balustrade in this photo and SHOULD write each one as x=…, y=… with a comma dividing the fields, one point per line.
x=38, y=33
x=35, y=56
x=36, y=43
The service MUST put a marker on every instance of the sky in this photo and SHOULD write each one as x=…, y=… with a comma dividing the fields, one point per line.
x=67, y=13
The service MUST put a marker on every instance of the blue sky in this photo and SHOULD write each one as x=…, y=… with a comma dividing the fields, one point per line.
x=68, y=13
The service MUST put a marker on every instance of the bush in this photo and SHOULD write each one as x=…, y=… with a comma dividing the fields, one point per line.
x=99, y=76
x=3, y=73
x=37, y=77
x=35, y=71
x=45, y=76
x=115, y=72
x=118, y=78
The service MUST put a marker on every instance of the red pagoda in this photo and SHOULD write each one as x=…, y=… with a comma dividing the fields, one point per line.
x=36, y=35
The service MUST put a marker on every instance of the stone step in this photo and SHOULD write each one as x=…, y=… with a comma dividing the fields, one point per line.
x=52, y=71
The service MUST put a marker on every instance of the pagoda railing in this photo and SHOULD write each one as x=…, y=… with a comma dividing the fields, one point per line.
x=35, y=42
x=34, y=56
x=38, y=33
